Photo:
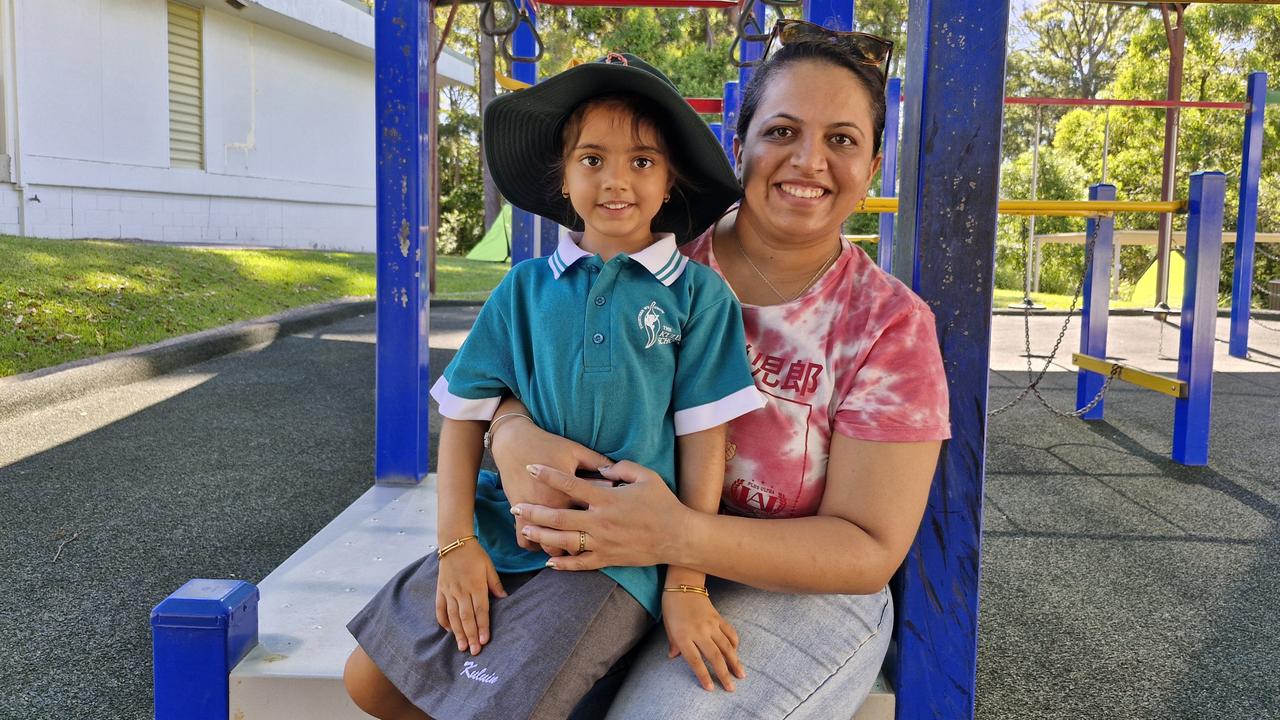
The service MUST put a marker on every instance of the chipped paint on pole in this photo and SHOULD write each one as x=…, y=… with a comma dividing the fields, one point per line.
x=402, y=68
x=945, y=249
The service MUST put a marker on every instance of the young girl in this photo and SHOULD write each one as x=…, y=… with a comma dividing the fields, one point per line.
x=616, y=341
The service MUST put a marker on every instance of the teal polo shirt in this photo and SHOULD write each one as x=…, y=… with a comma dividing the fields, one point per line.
x=620, y=356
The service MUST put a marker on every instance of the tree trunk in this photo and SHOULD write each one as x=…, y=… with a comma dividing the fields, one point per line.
x=492, y=201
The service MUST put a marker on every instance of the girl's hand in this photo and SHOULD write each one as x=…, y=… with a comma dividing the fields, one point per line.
x=697, y=632
x=640, y=522
x=518, y=443
x=466, y=578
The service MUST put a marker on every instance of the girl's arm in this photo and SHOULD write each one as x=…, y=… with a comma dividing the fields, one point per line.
x=875, y=497
x=467, y=575
x=695, y=630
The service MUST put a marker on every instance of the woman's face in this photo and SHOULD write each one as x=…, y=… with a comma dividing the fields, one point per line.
x=807, y=156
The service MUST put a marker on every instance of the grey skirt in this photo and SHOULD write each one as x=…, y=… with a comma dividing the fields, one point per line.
x=553, y=636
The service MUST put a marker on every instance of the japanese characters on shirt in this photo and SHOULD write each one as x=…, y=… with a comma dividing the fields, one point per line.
x=856, y=354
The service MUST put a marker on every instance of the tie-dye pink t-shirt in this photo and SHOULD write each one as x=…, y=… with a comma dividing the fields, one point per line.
x=857, y=354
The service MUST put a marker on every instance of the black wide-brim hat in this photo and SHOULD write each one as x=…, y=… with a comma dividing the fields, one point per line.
x=522, y=144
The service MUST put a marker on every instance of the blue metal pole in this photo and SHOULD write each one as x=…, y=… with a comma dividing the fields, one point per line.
x=751, y=50
x=1247, y=217
x=1097, y=298
x=889, y=168
x=548, y=236
x=830, y=14
x=729, y=128
x=718, y=130
x=198, y=635
x=1199, y=316
x=945, y=249
x=402, y=73
x=523, y=228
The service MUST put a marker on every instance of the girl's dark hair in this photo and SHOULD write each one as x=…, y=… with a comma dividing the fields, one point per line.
x=819, y=51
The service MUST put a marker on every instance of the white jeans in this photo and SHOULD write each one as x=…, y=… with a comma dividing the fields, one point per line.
x=806, y=656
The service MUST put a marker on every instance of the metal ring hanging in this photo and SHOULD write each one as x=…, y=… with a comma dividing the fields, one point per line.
x=522, y=18
x=746, y=20
x=489, y=21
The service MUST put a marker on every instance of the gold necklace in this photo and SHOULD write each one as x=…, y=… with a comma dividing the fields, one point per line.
x=775, y=290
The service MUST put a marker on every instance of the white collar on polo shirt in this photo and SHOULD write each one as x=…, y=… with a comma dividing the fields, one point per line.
x=660, y=258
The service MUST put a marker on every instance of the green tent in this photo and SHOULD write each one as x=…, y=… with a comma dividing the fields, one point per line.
x=495, y=246
x=1144, y=293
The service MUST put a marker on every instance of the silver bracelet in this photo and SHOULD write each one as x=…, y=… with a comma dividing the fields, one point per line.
x=488, y=434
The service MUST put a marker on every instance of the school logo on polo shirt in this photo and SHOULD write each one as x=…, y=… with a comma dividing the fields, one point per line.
x=656, y=331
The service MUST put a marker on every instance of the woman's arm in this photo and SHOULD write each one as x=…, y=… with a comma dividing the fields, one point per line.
x=517, y=443
x=874, y=499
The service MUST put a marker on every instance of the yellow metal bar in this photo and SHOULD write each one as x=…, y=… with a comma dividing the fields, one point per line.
x=1141, y=378
x=1068, y=208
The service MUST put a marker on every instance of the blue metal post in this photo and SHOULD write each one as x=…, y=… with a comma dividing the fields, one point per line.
x=402, y=73
x=945, y=249
x=548, y=236
x=198, y=634
x=889, y=168
x=1199, y=315
x=751, y=50
x=523, y=228
x=729, y=128
x=1097, y=298
x=718, y=130
x=830, y=14
x=1247, y=217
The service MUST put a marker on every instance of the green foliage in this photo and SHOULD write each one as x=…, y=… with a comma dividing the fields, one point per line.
x=1223, y=45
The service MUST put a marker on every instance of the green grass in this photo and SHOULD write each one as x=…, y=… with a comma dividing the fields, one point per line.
x=63, y=300
x=1004, y=298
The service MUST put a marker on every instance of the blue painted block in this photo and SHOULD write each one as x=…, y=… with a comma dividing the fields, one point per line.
x=1247, y=217
x=1097, y=298
x=945, y=250
x=1199, y=316
x=403, y=67
x=199, y=633
x=889, y=168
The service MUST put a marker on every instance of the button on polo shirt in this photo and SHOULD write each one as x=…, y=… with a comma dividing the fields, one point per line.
x=620, y=356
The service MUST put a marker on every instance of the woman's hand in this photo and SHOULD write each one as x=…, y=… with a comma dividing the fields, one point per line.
x=517, y=443
x=640, y=522
x=467, y=576
x=697, y=632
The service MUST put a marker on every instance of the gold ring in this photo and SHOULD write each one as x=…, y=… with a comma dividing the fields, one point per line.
x=582, y=541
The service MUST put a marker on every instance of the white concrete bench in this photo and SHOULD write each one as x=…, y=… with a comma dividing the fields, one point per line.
x=296, y=669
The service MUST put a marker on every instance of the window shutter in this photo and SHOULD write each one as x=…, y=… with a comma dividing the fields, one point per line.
x=186, y=86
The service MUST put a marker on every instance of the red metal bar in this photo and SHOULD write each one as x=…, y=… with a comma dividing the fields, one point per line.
x=1125, y=103
x=707, y=106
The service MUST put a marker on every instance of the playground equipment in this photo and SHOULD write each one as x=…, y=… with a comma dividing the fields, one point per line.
x=946, y=247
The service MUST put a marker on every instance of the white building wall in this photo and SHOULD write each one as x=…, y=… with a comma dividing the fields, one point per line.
x=289, y=126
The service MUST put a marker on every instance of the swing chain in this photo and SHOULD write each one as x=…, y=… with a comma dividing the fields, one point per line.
x=505, y=45
x=747, y=21
x=489, y=21
x=1257, y=248
x=1034, y=382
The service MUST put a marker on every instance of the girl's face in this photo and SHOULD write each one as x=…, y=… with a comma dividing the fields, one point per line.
x=617, y=180
x=807, y=156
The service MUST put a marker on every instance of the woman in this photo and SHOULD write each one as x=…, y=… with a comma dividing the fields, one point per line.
x=825, y=487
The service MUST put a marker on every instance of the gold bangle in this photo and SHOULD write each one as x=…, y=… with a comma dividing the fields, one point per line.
x=454, y=545
x=695, y=589
x=493, y=425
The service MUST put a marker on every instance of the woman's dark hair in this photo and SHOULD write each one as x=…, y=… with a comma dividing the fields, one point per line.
x=819, y=51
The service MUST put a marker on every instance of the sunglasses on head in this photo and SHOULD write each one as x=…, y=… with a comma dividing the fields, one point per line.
x=865, y=48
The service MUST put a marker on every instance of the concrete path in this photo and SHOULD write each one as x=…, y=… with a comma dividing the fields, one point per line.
x=1115, y=583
